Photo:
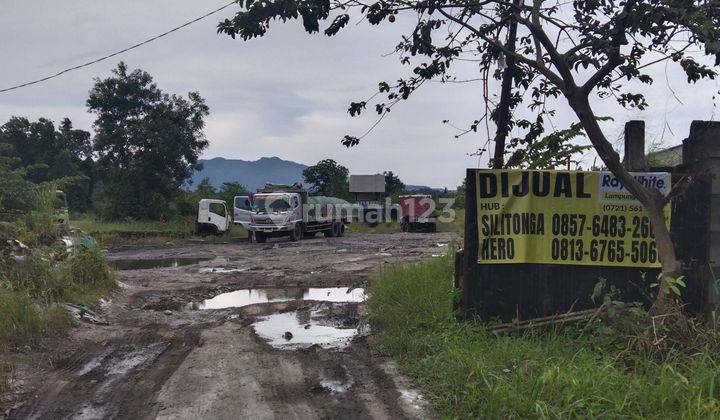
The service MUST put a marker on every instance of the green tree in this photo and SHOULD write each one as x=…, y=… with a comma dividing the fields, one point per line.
x=328, y=178
x=47, y=154
x=228, y=191
x=573, y=50
x=393, y=185
x=556, y=150
x=147, y=142
x=205, y=189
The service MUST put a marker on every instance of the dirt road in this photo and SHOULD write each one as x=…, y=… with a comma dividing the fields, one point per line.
x=232, y=331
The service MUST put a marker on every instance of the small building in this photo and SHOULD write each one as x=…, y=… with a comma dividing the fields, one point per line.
x=367, y=188
x=666, y=158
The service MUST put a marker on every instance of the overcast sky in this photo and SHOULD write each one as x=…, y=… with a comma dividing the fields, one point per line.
x=284, y=95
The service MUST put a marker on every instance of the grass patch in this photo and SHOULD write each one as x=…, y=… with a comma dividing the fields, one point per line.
x=457, y=224
x=133, y=232
x=20, y=320
x=32, y=288
x=389, y=227
x=466, y=372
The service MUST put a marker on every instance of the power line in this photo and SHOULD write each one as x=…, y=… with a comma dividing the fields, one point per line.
x=132, y=47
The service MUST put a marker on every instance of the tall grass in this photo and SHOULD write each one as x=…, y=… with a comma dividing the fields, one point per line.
x=466, y=372
x=20, y=320
x=31, y=288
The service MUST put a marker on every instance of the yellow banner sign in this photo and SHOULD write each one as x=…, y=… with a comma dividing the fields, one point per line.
x=564, y=217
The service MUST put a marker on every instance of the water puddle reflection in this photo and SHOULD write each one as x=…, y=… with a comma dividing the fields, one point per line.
x=244, y=297
x=146, y=264
x=285, y=331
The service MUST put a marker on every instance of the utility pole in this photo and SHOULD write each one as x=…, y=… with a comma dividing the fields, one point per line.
x=503, y=111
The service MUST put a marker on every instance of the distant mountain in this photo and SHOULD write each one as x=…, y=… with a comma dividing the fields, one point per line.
x=252, y=174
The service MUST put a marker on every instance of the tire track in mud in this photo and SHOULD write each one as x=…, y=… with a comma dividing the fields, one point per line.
x=158, y=359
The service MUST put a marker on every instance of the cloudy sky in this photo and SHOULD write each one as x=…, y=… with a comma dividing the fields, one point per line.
x=284, y=95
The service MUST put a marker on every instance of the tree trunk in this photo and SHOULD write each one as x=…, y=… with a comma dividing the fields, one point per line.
x=503, y=109
x=652, y=200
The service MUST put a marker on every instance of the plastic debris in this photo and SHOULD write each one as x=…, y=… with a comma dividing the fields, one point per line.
x=83, y=313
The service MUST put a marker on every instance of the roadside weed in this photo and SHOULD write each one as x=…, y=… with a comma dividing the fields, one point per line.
x=466, y=372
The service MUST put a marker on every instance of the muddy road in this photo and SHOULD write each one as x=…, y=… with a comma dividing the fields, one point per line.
x=231, y=331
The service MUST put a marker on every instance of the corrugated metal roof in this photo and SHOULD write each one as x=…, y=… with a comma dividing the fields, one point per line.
x=367, y=183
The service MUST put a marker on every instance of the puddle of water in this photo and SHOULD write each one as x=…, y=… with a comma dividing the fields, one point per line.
x=337, y=384
x=244, y=297
x=221, y=270
x=145, y=264
x=413, y=398
x=274, y=328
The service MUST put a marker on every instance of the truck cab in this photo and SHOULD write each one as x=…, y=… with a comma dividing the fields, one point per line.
x=213, y=217
x=417, y=213
x=284, y=210
x=276, y=214
x=242, y=210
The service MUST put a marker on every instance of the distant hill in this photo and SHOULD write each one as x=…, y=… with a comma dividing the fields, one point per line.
x=424, y=189
x=252, y=174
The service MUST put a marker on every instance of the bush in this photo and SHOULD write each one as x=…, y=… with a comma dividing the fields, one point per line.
x=87, y=275
x=34, y=277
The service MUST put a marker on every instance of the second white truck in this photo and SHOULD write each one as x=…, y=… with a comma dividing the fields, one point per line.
x=280, y=210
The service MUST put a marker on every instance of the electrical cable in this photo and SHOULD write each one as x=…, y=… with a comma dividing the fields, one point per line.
x=132, y=47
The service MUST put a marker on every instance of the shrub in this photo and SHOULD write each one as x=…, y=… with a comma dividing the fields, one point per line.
x=87, y=275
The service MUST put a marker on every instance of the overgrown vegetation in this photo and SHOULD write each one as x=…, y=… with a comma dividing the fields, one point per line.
x=39, y=272
x=601, y=368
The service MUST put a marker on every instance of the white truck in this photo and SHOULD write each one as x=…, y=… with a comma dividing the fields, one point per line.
x=213, y=217
x=280, y=210
x=242, y=210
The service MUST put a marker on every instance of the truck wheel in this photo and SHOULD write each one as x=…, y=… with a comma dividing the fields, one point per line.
x=260, y=237
x=296, y=233
x=332, y=232
x=341, y=229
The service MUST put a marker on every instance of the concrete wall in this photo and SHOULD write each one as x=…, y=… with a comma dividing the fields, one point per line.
x=701, y=154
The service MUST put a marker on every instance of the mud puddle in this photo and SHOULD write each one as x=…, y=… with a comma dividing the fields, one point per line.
x=335, y=379
x=147, y=264
x=244, y=297
x=287, y=331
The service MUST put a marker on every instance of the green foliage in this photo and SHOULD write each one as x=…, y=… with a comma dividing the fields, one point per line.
x=583, y=371
x=327, y=178
x=228, y=191
x=553, y=151
x=23, y=322
x=147, y=142
x=393, y=185
x=20, y=321
x=460, y=196
x=37, y=152
x=671, y=286
x=87, y=276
